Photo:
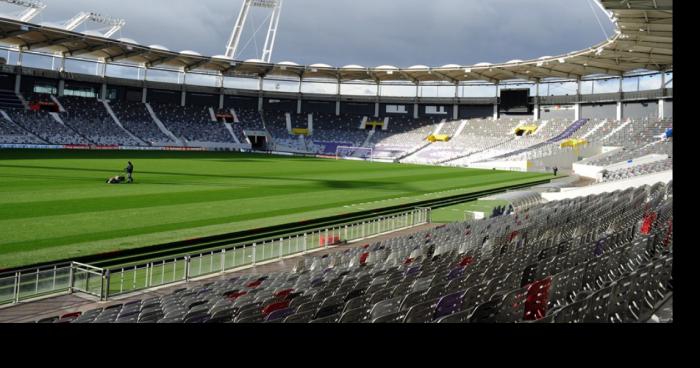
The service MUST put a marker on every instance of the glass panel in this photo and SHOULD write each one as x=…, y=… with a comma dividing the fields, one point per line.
x=46, y=284
x=358, y=89
x=241, y=83
x=281, y=85
x=483, y=90
x=586, y=87
x=397, y=90
x=82, y=67
x=166, y=76
x=669, y=80
x=124, y=71
x=606, y=85
x=629, y=84
x=318, y=87
x=7, y=288
x=40, y=61
x=558, y=89
x=650, y=82
x=207, y=80
x=446, y=91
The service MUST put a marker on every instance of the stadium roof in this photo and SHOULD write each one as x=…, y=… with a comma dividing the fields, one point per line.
x=643, y=40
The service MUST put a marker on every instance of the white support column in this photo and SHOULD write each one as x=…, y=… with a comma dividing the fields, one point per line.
x=337, y=98
x=577, y=111
x=61, y=87
x=144, y=95
x=415, y=111
x=183, y=98
x=310, y=124
x=18, y=83
x=663, y=79
x=260, y=91
x=662, y=114
x=536, y=112
x=455, y=112
x=376, y=109
x=299, y=106
x=495, y=112
x=103, y=91
x=619, y=89
x=221, y=101
x=619, y=111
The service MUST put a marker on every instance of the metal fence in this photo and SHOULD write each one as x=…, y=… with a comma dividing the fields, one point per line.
x=103, y=283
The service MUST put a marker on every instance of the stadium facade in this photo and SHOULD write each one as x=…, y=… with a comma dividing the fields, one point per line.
x=604, y=114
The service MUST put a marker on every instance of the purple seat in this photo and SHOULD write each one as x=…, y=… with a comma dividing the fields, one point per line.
x=280, y=314
x=448, y=304
x=455, y=273
x=413, y=270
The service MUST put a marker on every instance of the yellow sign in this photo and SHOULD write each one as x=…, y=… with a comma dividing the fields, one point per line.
x=300, y=131
x=574, y=143
x=526, y=130
x=439, y=138
x=375, y=123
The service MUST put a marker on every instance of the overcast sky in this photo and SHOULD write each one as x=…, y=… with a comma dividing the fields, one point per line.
x=365, y=32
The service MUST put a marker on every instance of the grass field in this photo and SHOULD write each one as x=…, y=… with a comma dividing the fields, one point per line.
x=55, y=204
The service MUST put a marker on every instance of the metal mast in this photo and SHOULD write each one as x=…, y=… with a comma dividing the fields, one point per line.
x=82, y=17
x=276, y=7
x=33, y=8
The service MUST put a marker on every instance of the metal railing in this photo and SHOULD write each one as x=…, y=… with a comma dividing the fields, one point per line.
x=131, y=278
x=107, y=282
x=32, y=283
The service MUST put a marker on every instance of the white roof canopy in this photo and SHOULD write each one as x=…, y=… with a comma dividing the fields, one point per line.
x=643, y=40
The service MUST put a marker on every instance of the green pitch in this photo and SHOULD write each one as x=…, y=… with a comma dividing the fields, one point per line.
x=56, y=205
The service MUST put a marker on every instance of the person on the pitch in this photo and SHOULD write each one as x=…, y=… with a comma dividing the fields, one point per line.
x=129, y=172
x=556, y=170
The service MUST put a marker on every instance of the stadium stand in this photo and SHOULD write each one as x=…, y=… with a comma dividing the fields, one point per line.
x=192, y=123
x=11, y=133
x=89, y=118
x=135, y=118
x=44, y=126
x=603, y=258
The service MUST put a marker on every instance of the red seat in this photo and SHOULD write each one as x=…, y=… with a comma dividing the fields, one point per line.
x=466, y=261
x=537, y=300
x=284, y=293
x=254, y=284
x=237, y=294
x=363, y=258
x=274, y=307
x=408, y=261
x=72, y=315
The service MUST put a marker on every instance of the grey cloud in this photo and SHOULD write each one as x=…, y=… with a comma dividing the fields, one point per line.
x=366, y=32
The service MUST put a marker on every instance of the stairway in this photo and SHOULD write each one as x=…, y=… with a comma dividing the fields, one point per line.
x=162, y=127
x=119, y=124
x=9, y=100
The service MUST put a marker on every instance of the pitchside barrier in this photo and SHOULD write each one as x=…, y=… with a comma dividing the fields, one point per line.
x=104, y=283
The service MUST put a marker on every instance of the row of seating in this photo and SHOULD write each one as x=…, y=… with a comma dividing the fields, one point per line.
x=601, y=258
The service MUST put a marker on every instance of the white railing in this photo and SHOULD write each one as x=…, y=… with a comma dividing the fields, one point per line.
x=165, y=271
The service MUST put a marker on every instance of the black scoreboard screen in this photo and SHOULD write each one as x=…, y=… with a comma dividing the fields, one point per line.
x=515, y=100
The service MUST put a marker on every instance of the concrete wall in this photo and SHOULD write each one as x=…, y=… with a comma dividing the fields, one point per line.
x=475, y=111
x=640, y=110
x=549, y=112
x=668, y=108
x=599, y=111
